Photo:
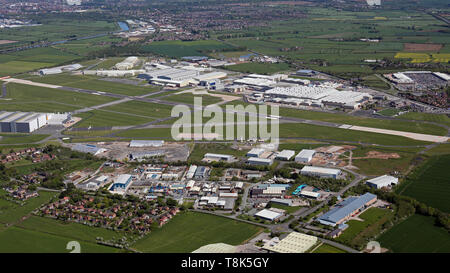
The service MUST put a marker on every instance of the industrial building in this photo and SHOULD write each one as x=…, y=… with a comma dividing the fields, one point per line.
x=113, y=73
x=146, y=143
x=304, y=156
x=88, y=148
x=281, y=201
x=318, y=96
x=190, y=173
x=344, y=210
x=295, y=242
x=255, y=82
x=382, y=181
x=320, y=172
x=200, y=173
x=310, y=194
x=218, y=157
x=268, y=215
x=121, y=184
x=211, y=76
x=269, y=191
x=22, y=122
x=255, y=152
x=59, y=69
x=285, y=155
x=127, y=64
x=260, y=161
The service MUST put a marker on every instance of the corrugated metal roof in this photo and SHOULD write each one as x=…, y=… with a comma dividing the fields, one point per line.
x=346, y=208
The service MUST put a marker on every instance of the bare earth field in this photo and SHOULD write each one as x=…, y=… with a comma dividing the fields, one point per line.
x=410, y=47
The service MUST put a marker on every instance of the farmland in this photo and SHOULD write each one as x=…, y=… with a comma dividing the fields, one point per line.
x=416, y=234
x=179, y=49
x=259, y=68
x=429, y=183
x=189, y=231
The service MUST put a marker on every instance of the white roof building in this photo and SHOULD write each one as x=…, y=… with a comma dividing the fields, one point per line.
x=382, y=181
x=268, y=214
x=260, y=161
x=320, y=172
x=146, y=143
x=295, y=242
x=255, y=152
x=304, y=156
x=285, y=155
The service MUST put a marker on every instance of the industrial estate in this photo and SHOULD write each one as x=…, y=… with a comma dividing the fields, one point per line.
x=88, y=153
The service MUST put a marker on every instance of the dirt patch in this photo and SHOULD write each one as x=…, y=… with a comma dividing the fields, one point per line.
x=4, y=42
x=410, y=47
x=379, y=155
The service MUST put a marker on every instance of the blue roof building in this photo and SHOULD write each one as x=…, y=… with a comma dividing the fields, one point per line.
x=344, y=210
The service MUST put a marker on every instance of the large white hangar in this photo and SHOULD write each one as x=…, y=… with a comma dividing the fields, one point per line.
x=21, y=122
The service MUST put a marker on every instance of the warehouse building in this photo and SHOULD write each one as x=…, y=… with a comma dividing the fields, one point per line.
x=113, y=73
x=320, y=172
x=310, y=194
x=59, y=69
x=346, y=209
x=304, y=156
x=88, y=148
x=285, y=155
x=22, y=122
x=190, y=173
x=295, y=242
x=211, y=76
x=268, y=215
x=382, y=181
x=121, y=184
x=200, y=173
x=146, y=143
x=260, y=161
x=218, y=157
x=255, y=152
x=127, y=64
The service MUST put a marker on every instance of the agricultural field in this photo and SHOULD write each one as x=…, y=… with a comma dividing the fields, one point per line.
x=416, y=234
x=19, y=240
x=329, y=40
x=429, y=183
x=40, y=99
x=358, y=231
x=258, y=68
x=177, y=49
x=189, y=231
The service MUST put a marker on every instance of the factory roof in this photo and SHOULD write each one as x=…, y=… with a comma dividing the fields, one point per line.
x=286, y=154
x=217, y=155
x=268, y=214
x=346, y=208
x=259, y=160
x=88, y=148
x=293, y=243
x=212, y=75
x=257, y=151
x=310, y=194
x=305, y=153
x=321, y=170
x=383, y=180
x=255, y=82
x=122, y=179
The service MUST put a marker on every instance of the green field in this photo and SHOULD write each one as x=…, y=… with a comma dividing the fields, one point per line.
x=100, y=118
x=177, y=49
x=259, y=68
x=415, y=127
x=11, y=212
x=189, y=98
x=324, y=248
x=147, y=109
x=41, y=99
x=429, y=183
x=200, y=149
x=358, y=231
x=438, y=118
x=189, y=231
x=417, y=234
x=94, y=83
x=20, y=138
x=18, y=240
